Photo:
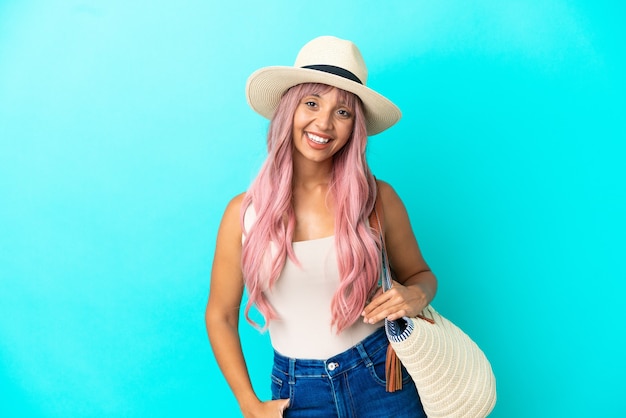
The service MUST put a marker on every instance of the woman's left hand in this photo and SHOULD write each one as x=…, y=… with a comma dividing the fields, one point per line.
x=397, y=302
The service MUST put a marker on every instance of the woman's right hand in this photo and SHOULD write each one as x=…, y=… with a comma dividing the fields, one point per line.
x=276, y=408
x=268, y=409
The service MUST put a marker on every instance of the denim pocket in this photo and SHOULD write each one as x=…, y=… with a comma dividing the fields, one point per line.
x=377, y=368
x=276, y=387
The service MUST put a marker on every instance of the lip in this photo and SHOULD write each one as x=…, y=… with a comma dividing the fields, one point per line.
x=317, y=139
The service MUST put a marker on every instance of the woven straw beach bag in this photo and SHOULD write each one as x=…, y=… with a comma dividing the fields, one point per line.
x=452, y=374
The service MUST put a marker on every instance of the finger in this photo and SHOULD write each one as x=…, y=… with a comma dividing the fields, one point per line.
x=372, y=298
x=397, y=315
x=392, y=308
x=377, y=315
x=282, y=407
x=375, y=304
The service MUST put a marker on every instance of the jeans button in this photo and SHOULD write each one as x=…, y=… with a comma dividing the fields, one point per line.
x=332, y=366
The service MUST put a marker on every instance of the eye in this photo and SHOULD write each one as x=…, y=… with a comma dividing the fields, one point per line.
x=310, y=103
x=344, y=113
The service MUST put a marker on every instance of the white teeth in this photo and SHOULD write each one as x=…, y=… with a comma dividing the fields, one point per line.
x=318, y=139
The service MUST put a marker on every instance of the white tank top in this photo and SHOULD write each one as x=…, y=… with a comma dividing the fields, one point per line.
x=301, y=297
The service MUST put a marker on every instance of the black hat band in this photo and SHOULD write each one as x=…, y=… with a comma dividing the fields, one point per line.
x=341, y=72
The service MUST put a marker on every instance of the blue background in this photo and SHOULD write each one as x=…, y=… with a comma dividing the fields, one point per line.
x=124, y=131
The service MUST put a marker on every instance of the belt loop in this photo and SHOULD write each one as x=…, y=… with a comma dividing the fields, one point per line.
x=364, y=355
x=292, y=371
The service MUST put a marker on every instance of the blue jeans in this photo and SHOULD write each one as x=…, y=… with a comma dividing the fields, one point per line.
x=348, y=385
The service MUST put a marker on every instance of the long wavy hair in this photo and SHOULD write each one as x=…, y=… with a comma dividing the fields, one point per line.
x=268, y=242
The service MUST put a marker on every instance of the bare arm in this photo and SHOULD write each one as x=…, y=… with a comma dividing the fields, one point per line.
x=222, y=316
x=415, y=285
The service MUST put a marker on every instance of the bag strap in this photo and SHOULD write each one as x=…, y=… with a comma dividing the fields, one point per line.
x=393, y=367
x=386, y=280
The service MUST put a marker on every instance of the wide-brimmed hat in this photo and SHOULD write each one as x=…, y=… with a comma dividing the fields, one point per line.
x=327, y=60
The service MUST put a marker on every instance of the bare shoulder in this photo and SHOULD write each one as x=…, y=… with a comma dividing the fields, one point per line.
x=231, y=224
x=226, y=276
x=402, y=247
x=384, y=188
x=235, y=203
x=395, y=217
x=390, y=199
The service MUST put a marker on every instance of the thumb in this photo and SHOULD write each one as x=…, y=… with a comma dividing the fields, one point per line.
x=284, y=405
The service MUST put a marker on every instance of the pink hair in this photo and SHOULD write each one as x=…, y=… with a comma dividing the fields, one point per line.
x=268, y=243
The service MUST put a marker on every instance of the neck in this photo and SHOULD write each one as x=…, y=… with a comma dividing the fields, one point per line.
x=310, y=175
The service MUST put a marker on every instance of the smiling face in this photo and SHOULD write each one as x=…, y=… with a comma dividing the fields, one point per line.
x=322, y=125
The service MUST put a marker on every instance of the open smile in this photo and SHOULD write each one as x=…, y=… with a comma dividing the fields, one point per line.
x=317, y=139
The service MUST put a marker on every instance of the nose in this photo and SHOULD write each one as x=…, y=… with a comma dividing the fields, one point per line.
x=324, y=120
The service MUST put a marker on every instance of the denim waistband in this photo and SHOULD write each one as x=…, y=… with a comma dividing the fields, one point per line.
x=340, y=363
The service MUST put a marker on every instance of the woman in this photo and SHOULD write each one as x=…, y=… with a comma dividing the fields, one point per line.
x=299, y=240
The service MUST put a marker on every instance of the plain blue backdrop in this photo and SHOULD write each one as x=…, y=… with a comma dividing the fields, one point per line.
x=124, y=131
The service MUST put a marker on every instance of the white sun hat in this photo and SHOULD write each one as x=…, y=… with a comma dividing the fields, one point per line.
x=327, y=60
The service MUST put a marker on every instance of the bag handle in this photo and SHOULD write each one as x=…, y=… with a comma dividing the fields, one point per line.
x=375, y=223
x=393, y=367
